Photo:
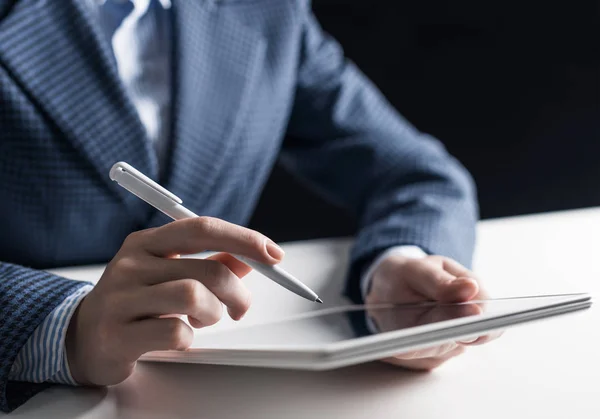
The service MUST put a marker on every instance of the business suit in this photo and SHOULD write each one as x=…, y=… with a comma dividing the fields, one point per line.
x=246, y=73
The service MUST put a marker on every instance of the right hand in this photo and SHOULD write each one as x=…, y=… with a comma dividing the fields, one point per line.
x=134, y=307
x=402, y=280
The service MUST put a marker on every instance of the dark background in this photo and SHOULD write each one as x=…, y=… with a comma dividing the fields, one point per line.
x=511, y=88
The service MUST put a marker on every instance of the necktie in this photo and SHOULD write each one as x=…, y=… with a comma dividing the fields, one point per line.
x=141, y=39
x=112, y=14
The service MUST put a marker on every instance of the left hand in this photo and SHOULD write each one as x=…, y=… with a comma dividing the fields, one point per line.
x=401, y=280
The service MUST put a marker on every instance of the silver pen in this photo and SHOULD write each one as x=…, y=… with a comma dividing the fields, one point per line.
x=168, y=203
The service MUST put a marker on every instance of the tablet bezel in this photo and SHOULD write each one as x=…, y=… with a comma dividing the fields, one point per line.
x=370, y=348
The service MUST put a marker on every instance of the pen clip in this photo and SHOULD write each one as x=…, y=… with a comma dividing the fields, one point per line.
x=123, y=169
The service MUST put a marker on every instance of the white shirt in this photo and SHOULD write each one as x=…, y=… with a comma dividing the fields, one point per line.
x=143, y=45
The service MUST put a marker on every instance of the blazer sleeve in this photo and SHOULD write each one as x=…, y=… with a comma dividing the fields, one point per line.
x=27, y=296
x=350, y=145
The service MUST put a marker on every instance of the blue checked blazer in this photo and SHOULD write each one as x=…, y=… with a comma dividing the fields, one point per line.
x=248, y=73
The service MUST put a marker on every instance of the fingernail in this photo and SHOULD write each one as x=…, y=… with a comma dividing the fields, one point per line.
x=274, y=251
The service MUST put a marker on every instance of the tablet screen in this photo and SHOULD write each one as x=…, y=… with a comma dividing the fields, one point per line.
x=344, y=323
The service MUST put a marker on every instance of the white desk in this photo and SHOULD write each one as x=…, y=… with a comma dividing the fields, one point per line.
x=547, y=370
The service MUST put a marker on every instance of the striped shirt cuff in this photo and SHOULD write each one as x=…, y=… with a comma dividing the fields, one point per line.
x=44, y=356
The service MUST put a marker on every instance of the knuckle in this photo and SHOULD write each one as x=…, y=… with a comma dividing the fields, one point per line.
x=440, y=277
x=133, y=239
x=204, y=225
x=209, y=270
x=126, y=266
x=215, y=271
x=178, y=335
x=222, y=272
x=129, y=240
x=191, y=294
x=254, y=239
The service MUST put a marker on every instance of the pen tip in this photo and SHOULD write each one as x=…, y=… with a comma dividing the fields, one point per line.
x=318, y=300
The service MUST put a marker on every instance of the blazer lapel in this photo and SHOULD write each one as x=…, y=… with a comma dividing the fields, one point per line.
x=65, y=65
x=216, y=61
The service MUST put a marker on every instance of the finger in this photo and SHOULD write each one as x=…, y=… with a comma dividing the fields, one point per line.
x=217, y=277
x=427, y=279
x=468, y=340
x=227, y=286
x=157, y=335
x=184, y=297
x=238, y=268
x=434, y=283
x=425, y=364
x=194, y=235
x=151, y=270
x=481, y=340
x=458, y=290
x=433, y=352
x=453, y=267
x=464, y=288
x=458, y=270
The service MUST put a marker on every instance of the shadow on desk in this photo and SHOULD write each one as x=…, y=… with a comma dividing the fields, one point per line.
x=203, y=391
x=62, y=402
x=184, y=391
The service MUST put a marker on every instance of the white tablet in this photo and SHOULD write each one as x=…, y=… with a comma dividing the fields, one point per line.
x=343, y=336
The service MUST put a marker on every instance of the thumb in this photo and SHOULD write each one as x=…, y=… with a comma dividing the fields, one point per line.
x=460, y=290
x=435, y=283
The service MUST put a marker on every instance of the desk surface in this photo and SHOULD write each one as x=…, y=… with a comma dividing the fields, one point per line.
x=546, y=370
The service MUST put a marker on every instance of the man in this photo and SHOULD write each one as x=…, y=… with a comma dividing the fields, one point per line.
x=197, y=94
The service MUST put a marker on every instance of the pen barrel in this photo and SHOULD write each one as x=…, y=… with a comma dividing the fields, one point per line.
x=281, y=277
x=177, y=211
x=169, y=204
x=274, y=273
